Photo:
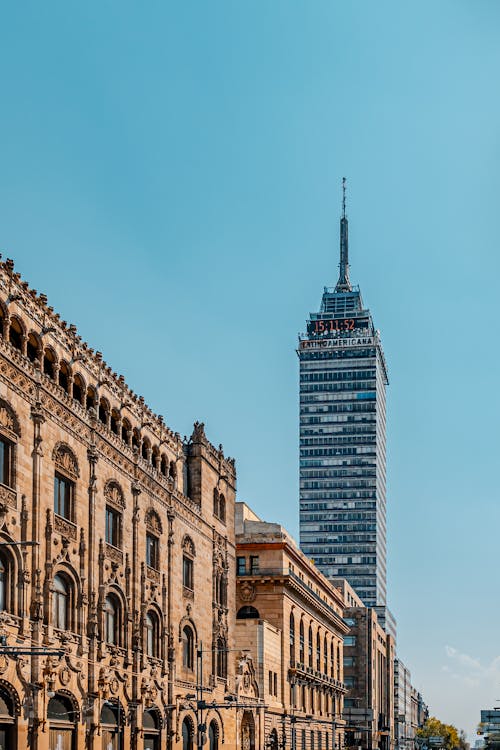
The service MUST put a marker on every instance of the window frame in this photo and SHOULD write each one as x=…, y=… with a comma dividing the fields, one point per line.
x=152, y=551
x=69, y=501
x=113, y=531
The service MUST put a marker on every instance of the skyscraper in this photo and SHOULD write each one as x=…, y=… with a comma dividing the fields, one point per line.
x=343, y=379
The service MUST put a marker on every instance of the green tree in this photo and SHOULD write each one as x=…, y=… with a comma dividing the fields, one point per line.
x=435, y=728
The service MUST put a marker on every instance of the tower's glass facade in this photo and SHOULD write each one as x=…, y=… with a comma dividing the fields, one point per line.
x=343, y=378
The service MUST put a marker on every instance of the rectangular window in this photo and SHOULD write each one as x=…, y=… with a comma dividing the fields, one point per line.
x=152, y=552
x=63, y=497
x=254, y=563
x=349, y=640
x=5, y=463
x=275, y=681
x=349, y=661
x=113, y=527
x=241, y=566
x=187, y=573
x=270, y=682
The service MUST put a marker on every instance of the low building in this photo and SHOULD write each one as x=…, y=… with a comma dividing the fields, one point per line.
x=289, y=617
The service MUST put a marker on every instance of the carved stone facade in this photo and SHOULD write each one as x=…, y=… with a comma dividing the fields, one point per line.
x=290, y=618
x=115, y=570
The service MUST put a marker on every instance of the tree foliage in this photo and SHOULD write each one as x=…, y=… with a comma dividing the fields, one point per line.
x=435, y=728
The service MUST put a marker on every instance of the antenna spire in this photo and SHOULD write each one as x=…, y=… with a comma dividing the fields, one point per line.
x=344, y=284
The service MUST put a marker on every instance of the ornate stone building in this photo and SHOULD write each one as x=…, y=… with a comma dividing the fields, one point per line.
x=289, y=617
x=117, y=559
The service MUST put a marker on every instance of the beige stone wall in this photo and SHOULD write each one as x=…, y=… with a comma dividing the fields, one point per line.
x=122, y=456
x=286, y=584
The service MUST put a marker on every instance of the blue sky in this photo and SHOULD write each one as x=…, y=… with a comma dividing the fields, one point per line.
x=170, y=177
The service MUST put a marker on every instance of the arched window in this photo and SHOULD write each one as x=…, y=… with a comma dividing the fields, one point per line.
x=112, y=629
x=273, y=740
x=325, y=656
x=126, y=431
x=115, y=421
x=301, y=642
x=33, y=348
x=7, y=720
x=187, y=734
x=172, y=471
x=213, y=735
x=152, y=635
x=110, y=727
x=221, y=658
x=62, y=718
x=103, y=411
x=292, y=639
x=49, y=363
x=338, y=663
x=155, y=457
x=91, y=398
x=64, y=376
x=16, y=333
x=146, y=445
x=187, y=647
x=222, y=508
x=5, y=583
x=61, y=604
x=310, y=646
x=318, y=651
x=216, y=502
x=151, y=725
x=135, y=439
x=247, y=613
x=79, y=389
x=332, y=660
x=164, y=465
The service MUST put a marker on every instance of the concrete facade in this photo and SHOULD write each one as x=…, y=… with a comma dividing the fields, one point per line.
x=117, y=556
x=290, y=618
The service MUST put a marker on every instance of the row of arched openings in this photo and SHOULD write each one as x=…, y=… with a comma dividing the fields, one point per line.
x=74, y=385
x=321, y=653
x=188, y=735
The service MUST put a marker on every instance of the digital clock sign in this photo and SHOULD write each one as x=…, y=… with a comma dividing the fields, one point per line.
x=335, y=325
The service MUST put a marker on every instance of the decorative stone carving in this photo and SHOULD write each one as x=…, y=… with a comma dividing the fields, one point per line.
x=188, y=546
x=153, y=522
x=64, y=675
x=64, y=527
x=65, y=460
x=152, y=574
x=247, y=592
x=8, y=496
x=113, y=494
x=114, y=554
x=8, y=418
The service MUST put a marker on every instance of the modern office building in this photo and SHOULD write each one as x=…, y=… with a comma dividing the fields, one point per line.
x=343, y=379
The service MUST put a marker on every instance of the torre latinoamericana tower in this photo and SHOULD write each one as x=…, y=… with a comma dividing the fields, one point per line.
x=343, y=379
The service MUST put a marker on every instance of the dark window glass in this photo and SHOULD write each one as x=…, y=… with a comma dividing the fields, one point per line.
x=187, y=648
x=187, y=573
x=111, y=620
x=60, y=604
x=63, y=497
x=152, y=551
x=6, y=462
x=254, y=563
x=241, y=566
x=113, y=527
x=4, y=582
